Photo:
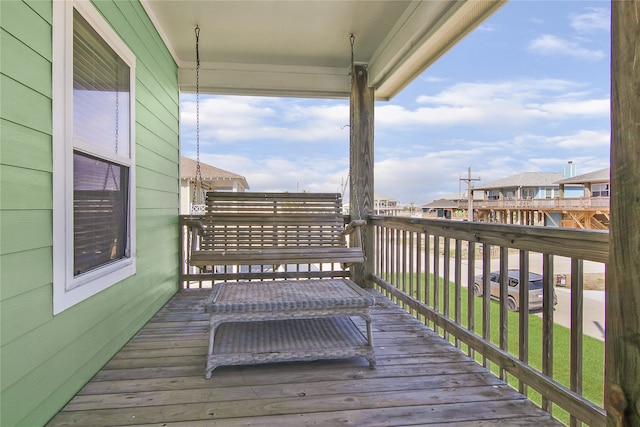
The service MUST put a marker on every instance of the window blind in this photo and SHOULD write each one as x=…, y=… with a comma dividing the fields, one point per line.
x=100, y=91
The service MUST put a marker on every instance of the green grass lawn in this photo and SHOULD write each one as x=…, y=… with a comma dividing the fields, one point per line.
x=593, y=349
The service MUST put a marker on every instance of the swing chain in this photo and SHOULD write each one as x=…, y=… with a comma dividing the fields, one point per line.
x=198, y=180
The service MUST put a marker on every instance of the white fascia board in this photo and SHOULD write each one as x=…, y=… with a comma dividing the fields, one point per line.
x=146, y=5
x=266, y=80
x=423, y=34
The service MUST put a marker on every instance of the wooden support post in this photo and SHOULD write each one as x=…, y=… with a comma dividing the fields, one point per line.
x=622, y=366
x=361, y=167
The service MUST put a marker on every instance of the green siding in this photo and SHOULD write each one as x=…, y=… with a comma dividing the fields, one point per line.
x=21, y=64
x=25, y=188
x=17, y=140
x=29, y=22
x=46, y=359
x=23, y=230
x=18, y=275
x=20, y=104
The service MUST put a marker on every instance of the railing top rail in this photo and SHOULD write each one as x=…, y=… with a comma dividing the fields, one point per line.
x=591, y=245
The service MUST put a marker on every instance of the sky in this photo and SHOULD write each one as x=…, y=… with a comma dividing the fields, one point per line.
x=527, y=91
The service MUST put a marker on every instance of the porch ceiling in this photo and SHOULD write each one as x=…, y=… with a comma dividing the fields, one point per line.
x=301, y=48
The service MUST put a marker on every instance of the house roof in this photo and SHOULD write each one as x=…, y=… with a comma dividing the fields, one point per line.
x=441, y=204
x=602, y=175
x=462, y=195
x=302, y=48
x=209, y=173
x=524, y=179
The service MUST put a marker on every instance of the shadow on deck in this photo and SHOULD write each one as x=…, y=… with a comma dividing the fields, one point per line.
x=157, y=379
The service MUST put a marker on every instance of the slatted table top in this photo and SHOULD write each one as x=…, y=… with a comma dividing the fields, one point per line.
x=283, y=295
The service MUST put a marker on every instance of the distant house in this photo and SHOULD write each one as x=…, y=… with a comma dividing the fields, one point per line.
x=451, y=205
x=593, y=201
x=594, y=184
x=441, y=208
x=213, y=179
x=548, y=198
x=523, y=186
x=385, y=205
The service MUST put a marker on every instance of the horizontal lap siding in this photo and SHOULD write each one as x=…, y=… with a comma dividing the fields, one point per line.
x=46, y=359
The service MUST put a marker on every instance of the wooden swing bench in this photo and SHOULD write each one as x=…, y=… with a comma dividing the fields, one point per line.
x=281, y=320
x=265, y=234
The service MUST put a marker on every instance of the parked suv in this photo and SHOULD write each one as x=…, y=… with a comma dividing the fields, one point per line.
x=513, y=298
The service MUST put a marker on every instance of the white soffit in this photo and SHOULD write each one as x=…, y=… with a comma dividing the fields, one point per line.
x=301, y=48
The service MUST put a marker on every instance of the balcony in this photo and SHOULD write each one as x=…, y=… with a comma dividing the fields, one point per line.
x=443, y=354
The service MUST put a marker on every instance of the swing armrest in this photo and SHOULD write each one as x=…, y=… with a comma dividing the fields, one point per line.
x=354, y=226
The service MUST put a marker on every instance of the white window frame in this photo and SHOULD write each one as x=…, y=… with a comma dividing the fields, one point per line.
x=67, y=289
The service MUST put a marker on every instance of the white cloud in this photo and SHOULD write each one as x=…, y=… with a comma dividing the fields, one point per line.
x=284, y=172
x=229, y=119
x=583, y=139
x=507, y=103
x=487, y=28
x=593, y=20
x=548, y=44
x=563, y=109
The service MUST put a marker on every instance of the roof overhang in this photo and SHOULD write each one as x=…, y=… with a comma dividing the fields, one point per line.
x=301, y=48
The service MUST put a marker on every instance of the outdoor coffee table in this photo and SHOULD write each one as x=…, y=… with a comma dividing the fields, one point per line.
x=287, y=320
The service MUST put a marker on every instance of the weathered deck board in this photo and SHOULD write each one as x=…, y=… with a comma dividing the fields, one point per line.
x=158, y=379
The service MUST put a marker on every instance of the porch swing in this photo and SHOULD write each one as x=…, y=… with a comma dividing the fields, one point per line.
x=278, y=320
x=260, y=232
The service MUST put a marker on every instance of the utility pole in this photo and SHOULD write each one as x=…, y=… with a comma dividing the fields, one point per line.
x=469, y=181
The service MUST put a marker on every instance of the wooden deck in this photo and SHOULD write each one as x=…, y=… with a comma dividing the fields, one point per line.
x=158, y=379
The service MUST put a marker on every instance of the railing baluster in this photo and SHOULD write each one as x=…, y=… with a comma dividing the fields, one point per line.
x=458, y=286
x=446, y=264
x=436, y=277
x=504, y=298
x=403, y=266
x=486, y=295
x=547, y=324
x=575, y=369
x=523, y=315
x=387, y=251
x=427, y=271
x=412, y=272
x=419, y=277
x=398, y=257
x=471, y=275
x=392, y=260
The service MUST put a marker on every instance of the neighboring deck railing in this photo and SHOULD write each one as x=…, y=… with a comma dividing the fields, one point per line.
x=576, y=203
x=410, y=252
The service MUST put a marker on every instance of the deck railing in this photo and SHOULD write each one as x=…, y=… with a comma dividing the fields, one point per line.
x=410, y=252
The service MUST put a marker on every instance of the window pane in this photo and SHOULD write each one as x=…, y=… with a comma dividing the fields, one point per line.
x=100, y=91
x=100, y=201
